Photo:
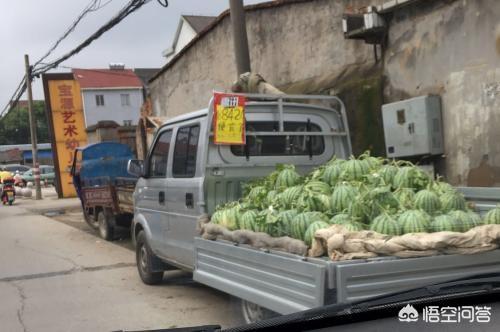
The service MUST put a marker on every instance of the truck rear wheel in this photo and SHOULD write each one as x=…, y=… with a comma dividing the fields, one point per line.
x=144, y=258
x=90, y=220
x=106, y=226
x=253, y=313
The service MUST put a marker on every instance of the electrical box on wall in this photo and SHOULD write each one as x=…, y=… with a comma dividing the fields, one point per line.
x=413, y=127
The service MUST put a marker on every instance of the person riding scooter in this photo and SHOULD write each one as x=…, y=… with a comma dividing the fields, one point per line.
x=8, y=192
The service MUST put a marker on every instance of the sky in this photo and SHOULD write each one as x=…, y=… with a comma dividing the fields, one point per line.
x=32, y=26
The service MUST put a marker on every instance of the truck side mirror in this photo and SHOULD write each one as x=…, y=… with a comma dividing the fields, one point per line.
x=135, y=167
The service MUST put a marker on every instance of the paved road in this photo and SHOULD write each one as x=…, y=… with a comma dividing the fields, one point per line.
x=57, y=276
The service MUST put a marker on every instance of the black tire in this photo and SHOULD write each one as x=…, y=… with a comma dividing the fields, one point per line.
x=144, y=258
x=90, y=220
x=106, y=226
x=253, y=313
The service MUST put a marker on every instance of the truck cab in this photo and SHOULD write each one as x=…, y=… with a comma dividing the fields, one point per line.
x=186, y=175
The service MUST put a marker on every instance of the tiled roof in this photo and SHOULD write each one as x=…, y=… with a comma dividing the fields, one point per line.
x=106, y=78
x=199, y=22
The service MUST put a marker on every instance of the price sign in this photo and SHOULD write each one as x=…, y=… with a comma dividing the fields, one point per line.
x=229, y=119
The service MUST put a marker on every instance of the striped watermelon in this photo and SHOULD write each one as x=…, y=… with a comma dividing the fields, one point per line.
x=271, y=197
x=428, y=201
x=405, y=197
x=317, y=202
x=331, y=174
x=340, y=219
x=451, y=201
x=311, y=230
x=476, y=218
x=287, y=178
x=342, y=196
x=229, y=218
x=216, y=217
x=387, y=173
x=318, y=187
x=373, y=163
x=444, y=223
x=385, y=224
x=358, y=210
x=354, y=169
x=248, y=220
x=260, y=224
x=354, y=226
x=411, y=177
x=302, y=221
x=289, y=197
x=285, y=220
x=442, y=187
x=414, y=221
x=492, y=216
x=463, y=220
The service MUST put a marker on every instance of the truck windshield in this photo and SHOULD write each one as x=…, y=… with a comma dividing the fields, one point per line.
x=294, y=145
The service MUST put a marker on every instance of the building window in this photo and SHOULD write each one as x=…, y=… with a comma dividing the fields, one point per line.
x=99, y=100
x=125, y=97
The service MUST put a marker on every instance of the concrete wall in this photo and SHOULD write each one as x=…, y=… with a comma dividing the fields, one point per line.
x=185, y=35
x=112, y=109
x=450, y=48
x=289, y=43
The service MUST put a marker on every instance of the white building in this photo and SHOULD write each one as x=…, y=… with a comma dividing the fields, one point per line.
x=189, y=26
x=110, y=94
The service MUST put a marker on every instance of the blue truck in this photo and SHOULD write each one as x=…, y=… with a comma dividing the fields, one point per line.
x=104, y=186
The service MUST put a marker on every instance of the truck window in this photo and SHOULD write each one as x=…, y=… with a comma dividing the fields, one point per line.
x=159, y=155
x=186, y=146
x=277, y=145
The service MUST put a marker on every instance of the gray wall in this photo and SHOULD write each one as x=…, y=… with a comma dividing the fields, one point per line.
x=449, y=48
x=112, y=109
x=289, y=43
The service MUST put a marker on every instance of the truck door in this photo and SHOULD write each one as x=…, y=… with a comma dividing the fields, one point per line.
x=184, y=194
x=152, y=201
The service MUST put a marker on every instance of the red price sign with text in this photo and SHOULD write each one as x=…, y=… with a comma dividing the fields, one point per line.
x=229, y=119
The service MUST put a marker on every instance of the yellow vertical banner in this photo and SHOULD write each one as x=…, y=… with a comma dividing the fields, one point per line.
x=68, y=133
x=229, y=119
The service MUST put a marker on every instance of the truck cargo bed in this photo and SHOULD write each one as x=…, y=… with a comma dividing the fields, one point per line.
x=287, y=283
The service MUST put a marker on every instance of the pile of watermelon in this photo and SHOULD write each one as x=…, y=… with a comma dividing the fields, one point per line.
x=365, y=193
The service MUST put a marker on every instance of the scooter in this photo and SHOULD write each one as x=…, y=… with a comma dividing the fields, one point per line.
x=8, y=192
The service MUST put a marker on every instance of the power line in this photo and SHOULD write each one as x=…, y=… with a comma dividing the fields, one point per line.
x=128, y=9
x=93, y=6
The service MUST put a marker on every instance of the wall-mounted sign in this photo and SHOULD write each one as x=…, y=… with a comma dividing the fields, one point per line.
x=229, y=119
x=67, y=125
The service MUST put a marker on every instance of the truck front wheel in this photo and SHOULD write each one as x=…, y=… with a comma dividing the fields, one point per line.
x=106, y=226
x=144, y=259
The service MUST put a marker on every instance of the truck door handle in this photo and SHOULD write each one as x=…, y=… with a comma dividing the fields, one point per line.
x=189, y=200
x=161, y=197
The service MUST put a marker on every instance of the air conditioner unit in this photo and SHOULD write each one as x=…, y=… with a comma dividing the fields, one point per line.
x=369, y=26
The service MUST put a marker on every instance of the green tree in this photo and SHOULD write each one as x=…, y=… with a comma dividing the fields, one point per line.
x=15, y=125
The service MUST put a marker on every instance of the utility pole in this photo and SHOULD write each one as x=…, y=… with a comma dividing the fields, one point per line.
x=36, y=169
x=240, y=39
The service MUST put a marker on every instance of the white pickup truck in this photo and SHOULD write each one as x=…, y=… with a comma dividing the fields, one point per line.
x=186, y=175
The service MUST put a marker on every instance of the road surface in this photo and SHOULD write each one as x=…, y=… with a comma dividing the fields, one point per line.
x=58, y=276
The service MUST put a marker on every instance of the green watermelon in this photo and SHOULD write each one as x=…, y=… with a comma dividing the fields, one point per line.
x=216, y=217
x=287, y=178
x=289, y=197
x=451, y=201
x=476, y=218
x=492, y=216
x=331, y=174
x=302, y=221
x=358, y=210
x=285, y=220
x=229, y=218
x=354, y=169
x=414, y=221
x=463, y=220
x=428, y=201
x=444, y=223
x=312, y=229
x=342, y=196
x=318, y=187
x=387, y=173
x=411, y=177
x=248, y=220
x=340, y=219
x=317, y=202
x=405, y=197
x=385, y=224
x=353, y=226
x=271, y=197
